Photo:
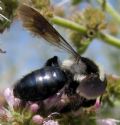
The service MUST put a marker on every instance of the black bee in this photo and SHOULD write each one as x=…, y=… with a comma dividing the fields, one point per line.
x=79, y=77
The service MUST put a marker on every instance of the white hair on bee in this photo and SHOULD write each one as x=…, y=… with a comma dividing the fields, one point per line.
x=67, y=63
x=74, y=67
x=80, y=68
x=101, y=72
x=78, y=77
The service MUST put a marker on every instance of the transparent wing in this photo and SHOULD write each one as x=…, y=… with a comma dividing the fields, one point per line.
x=37, y=24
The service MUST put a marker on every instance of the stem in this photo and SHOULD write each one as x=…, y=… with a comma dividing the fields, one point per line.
x=68, y=24
x=79, y=28
x=2, y=16
x=110, y=39
x=111, y=10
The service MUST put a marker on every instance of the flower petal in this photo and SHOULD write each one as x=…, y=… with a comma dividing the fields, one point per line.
x=8, y=93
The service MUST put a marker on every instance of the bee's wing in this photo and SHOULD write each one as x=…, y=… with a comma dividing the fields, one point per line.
x=37, y=24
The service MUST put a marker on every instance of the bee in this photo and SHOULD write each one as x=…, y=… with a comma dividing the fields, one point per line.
x=78, y=78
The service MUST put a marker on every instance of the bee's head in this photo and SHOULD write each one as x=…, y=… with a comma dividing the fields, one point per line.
x=91, y=67
x=90, y=78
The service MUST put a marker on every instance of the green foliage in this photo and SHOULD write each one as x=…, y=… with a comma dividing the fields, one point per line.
x=113, y=90
x=94, y=21
x=8, y=8
x=44, y=7
x=75, y=2
x=79, y=41
x=80, y=119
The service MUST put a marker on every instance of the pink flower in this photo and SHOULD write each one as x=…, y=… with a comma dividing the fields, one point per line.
x=11, y=100
x=8, y=94
x=16, y=102
x=37, y=119
x=15, y=112
x=108, y=121
x=97, y=103
x=5, y=114
x=34, y=107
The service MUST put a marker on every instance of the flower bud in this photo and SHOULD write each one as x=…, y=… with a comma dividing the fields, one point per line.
x=34, y=107
x=37, y=119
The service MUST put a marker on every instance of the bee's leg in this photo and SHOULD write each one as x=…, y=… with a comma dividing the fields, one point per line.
x=51, y=117
x=54, y=114
x=71, y=88
x=73, y=104
x=52, y=62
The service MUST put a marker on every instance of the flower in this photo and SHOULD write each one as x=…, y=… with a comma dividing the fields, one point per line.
x=7, y=113
x=10, y=99
x=37, y=119
x=34, y=107
x=8, y=94
x=97, y=103
x=18, y=112
x=50, y=122
x=108, y=121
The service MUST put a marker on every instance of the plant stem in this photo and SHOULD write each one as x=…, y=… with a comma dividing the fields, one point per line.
x=79, y=28
x=111, y=11
x=110, y=39
x=68, y=24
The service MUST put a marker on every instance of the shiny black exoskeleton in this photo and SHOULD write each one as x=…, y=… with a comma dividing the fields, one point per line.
x=42, y=83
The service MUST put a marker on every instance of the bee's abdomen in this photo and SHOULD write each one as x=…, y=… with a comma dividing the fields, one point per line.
x=40, y=84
